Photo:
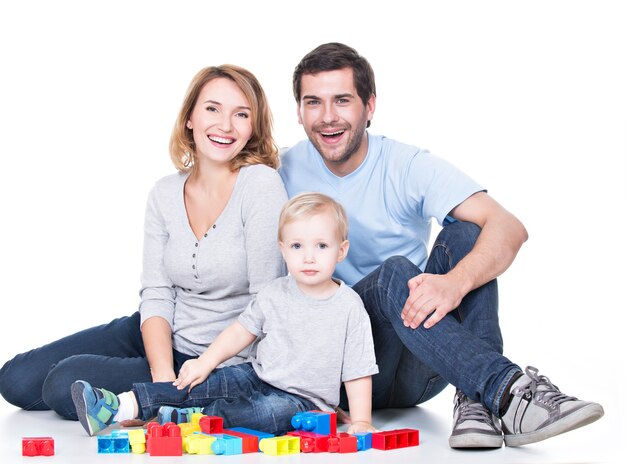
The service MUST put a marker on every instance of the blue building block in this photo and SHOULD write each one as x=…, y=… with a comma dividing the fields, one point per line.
x=115, y=442
x=226, y=444
x=259, y=434
x=314, y=421
x=363, y=441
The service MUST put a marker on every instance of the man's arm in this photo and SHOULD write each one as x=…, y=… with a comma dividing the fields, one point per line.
x=501, y=237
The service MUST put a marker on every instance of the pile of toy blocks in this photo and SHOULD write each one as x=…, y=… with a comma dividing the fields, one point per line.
x=315, y=432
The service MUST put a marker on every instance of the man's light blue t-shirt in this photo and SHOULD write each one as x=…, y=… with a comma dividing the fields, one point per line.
x=390, y=199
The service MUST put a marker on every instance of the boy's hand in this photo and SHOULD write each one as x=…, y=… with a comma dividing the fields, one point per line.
x=362, y=427
x=342, y=416
x=192, y=373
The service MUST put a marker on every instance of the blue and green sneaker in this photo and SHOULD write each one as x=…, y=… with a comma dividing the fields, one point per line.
x=95, y=407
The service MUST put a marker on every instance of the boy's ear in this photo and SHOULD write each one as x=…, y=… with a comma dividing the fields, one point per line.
x=343, y=250
x=281, y=245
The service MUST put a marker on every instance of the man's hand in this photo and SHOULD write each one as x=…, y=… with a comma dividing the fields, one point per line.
x=430, y=295
x=192, y=373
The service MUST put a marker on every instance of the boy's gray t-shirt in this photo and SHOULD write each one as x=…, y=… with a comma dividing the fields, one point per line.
x=308, y=346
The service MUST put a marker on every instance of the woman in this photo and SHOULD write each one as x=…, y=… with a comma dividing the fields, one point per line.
x=209, y=246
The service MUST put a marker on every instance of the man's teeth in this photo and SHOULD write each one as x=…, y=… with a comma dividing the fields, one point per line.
x=331, y=134
x=221, y=140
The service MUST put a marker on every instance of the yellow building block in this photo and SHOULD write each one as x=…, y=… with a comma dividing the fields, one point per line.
x=195, y=418
x=187, y=428
x=279, y=446
x=198, y=443
x=137, y=441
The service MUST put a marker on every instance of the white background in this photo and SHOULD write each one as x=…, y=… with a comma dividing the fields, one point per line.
x=529, y=98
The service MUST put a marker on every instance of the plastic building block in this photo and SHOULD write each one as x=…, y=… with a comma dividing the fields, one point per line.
x=311, y=442
x=342, y=443
x=198, y=443
x=165, y=440
x=137, y=441
x=363, y=440
x=324, y=423
x=211, y=424
x=280, y=446
x=257, y=433
x=37, y=446
x=393, y=439
x=226, y=444
x=187, y=428
x=115, y=442
x=249, y=443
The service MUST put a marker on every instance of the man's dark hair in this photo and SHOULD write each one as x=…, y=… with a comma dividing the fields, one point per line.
x=333, y=56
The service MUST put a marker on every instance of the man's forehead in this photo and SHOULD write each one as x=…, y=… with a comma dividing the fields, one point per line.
x=328, y=83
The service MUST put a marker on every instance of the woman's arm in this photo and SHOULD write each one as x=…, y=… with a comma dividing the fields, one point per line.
x=264, y=198
x=157, y=295
x=157, y=340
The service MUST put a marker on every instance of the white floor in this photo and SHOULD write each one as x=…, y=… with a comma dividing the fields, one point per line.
x=601, y=442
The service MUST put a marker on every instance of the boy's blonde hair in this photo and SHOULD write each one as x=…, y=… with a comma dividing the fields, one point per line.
x=308, y=204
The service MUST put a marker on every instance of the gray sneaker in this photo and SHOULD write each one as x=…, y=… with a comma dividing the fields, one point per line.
x=538, y=410
x=474, y=426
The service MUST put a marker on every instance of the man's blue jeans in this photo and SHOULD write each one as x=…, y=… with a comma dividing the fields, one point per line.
x=110, y=355
x=464, y=348
x=234, y=393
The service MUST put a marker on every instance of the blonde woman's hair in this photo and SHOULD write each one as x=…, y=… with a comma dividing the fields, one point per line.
x=260, y=149
x=306, y=205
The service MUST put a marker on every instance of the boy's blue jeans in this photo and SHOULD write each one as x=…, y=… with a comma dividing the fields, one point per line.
x=464, y=348
x=234, y=393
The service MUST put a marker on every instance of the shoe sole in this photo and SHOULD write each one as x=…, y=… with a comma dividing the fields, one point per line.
x=584, y=416
x=475, y=440
x=78, y=397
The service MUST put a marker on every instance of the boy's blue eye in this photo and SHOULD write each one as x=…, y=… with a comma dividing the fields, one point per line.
x=295, y=246
x=322, y=246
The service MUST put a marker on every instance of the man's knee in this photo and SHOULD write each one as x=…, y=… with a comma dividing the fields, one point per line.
x=396, y=269
x=460, y=233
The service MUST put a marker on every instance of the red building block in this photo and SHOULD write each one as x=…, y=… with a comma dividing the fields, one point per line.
x=249, y=443
x=393, y=439
x=342, y=443
x=211, y=424
x=164, y=440
x=311, y=442
x=37, y=446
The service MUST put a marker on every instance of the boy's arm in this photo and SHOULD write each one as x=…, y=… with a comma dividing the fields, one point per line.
x=359, y=393
x=231, y=341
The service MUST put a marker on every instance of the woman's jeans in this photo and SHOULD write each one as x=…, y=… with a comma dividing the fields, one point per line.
x=234, y=393
x=110, y=356
x=464, y=348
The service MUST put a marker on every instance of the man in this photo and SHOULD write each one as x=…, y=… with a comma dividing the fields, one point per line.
x=434, y=318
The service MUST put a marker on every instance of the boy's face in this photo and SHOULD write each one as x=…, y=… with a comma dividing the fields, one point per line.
x=311, y=247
